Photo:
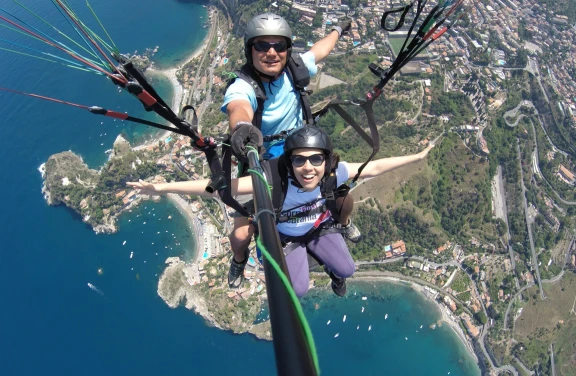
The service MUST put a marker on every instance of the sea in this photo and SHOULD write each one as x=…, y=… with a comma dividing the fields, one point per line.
x=77, y=303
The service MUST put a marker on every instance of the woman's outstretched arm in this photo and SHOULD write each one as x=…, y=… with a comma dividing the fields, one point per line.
x=241, y=186
x=381, y=166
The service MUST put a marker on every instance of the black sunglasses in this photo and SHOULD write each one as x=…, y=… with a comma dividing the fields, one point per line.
x=300, y=160
x=263, y=46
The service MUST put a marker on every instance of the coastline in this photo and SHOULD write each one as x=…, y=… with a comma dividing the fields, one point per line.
x=445, y=315
x=187, y=212
x=449, y=319
x=178, y=89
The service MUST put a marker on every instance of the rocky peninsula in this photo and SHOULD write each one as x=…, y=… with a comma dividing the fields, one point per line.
x=99, y=197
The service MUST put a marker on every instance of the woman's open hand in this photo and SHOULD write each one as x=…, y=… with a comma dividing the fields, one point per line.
x=144, y=187
x=425, y=152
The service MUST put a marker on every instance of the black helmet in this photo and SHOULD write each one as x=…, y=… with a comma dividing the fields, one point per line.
x=308, y=137
x=267, y=24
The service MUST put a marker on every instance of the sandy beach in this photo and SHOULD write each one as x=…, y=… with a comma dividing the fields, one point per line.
x=449, y=319
x=178, y=89
x=187, y=212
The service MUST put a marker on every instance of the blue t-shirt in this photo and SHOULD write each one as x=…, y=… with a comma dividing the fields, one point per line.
x=282, y=109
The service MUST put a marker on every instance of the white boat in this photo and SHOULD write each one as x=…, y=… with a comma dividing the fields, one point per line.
x=131, y=254
x=328, y=323
x=364, y=298
x=406, y=338
x=362, y=309
x=124, y=242
x=370, y=327
x=344, y=318
x=358, y=327
x=385, y=316
x=336, y=335
x=421, y=326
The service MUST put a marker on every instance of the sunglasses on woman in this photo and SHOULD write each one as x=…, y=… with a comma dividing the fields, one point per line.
x=263, y=46
x=314, y=159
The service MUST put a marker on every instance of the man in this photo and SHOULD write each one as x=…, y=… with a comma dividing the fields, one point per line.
x=268, y=49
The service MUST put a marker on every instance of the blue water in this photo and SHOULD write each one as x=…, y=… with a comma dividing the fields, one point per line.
x=52, y=322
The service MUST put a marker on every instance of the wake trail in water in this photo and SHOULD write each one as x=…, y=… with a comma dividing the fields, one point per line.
x=94, y=288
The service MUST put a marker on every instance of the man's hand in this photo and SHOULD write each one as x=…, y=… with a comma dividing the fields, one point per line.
x=144, y=187
x=343, y=27
x=245, y=135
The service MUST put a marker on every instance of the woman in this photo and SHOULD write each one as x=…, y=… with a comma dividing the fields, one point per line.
x=308, y=156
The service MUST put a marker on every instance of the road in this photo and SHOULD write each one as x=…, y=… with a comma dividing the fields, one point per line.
x=552, y=366
x=501, y=369
x=227, y=224
x=523, y=366
x=552, y=280
x=500, y=183
x=529, y=104
x=512, y=301
x=534, y=67
x=528, y=226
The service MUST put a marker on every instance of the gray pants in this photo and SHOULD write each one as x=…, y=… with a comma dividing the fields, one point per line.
x=331, y=249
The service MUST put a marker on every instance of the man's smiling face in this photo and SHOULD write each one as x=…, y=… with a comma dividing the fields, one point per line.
x=269, y=62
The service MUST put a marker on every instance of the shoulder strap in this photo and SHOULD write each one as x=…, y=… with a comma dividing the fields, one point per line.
x=248, y=74
x=330, y=191
x=277, y=175
x=300, y=77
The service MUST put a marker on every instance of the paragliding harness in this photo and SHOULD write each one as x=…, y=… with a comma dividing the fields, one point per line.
x=300, y=78
x=276, y=170
x=328, y=222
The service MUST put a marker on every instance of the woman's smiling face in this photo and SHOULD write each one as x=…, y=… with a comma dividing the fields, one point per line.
x=308, y=175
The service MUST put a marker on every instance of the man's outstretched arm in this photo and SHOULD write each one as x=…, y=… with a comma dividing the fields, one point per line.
x=324, y=46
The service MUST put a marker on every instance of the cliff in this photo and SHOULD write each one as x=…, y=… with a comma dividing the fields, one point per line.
x=177, y=286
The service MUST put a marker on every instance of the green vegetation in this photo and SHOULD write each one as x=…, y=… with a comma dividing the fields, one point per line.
x=534, y=334
x=461, y=282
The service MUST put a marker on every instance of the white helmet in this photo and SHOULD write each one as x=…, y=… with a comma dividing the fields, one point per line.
x=264, y=25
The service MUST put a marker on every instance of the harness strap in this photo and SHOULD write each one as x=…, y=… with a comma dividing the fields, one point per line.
x=300, y=78
x=224, y=190
x=324, y=228
x=373, y=139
